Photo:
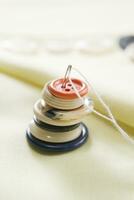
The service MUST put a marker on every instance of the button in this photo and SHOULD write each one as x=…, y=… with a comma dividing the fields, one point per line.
x=96, y=45
x=59, y=46
x=125, y=41
x=64, y=89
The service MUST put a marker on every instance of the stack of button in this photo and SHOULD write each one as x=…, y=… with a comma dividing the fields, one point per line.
x=57, y=125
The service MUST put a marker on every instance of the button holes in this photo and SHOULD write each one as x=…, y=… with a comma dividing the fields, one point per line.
x=62, y=86
x=69, y=84
x=67, y=89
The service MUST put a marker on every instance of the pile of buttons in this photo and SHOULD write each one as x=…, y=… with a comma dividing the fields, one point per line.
x=57, y=125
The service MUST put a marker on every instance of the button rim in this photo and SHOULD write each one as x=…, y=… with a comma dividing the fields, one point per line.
x=65, y=95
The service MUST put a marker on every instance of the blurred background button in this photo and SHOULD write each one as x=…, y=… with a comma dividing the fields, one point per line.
x=125, y=41
x=95, y=45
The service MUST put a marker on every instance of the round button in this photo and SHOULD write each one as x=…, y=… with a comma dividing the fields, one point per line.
x=64, y=89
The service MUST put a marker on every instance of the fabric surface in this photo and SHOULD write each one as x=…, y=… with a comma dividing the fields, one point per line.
x=100, y=169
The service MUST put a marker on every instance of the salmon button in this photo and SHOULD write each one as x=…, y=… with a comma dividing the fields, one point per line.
x=65, y=90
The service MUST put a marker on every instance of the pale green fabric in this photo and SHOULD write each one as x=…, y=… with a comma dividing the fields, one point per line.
x=101, y=169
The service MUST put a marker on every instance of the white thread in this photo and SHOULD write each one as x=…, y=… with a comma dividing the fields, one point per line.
x=111, y=118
